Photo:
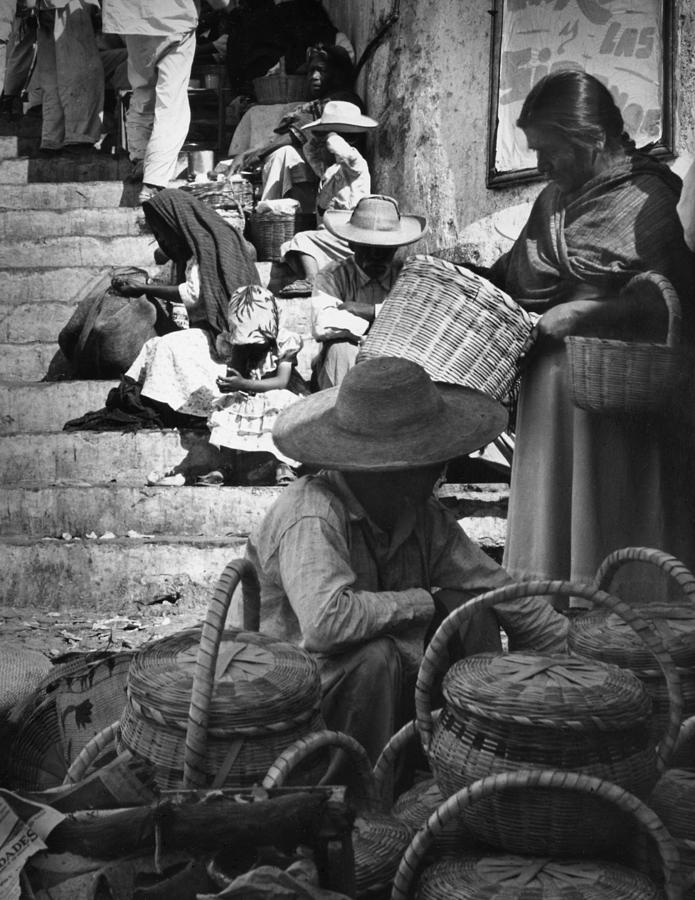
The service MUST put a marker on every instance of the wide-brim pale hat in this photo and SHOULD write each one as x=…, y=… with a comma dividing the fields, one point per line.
x=376, y=221
x=387, y=414
x=339, y=115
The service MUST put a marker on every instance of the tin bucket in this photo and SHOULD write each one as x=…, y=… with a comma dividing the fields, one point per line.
x=200, y=162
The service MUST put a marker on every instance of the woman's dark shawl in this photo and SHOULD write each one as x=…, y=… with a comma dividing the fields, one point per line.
x=618, y=224
x=221, y=251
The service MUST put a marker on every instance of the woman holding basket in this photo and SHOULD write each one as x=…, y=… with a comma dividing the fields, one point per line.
x=584, y=483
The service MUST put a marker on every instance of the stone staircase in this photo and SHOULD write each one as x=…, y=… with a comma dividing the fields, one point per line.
x=78, y=526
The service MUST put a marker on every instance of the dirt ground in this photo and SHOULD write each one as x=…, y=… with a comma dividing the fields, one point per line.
x=67, y=631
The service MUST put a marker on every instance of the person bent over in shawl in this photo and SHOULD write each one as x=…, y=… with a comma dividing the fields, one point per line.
x=586, y=484
x=360, y=562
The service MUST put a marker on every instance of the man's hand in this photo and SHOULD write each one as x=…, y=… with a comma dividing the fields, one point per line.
x=249, y=159
x=445, y=602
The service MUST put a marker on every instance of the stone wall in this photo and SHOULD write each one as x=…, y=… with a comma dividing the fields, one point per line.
x=428, y=87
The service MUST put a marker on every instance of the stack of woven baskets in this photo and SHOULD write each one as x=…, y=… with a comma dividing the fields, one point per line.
x=543, y=760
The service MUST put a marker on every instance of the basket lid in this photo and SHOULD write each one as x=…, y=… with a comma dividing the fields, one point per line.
x=551, y=691
x=518, y=876
x=258, y=681
x=602, y=635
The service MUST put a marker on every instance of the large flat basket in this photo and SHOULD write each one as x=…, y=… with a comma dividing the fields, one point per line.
x=456, y=324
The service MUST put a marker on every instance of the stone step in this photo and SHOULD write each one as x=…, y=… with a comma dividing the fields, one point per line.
x=46, y=406
x=33, y=361
x=29, y=362
x=9, y=146
x=89, y=251
x=102, y=575
x=92, y=456
x=62, y=284
x=42, y=320
x=92, y=167
x=44, y=510
x=26, y=225
x=49, y=511
x=68, y=195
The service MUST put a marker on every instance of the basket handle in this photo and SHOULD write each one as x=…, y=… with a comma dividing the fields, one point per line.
x=543, y=779
x=388, y=756
x=82, y=763
x=304, y=747
x=686, y=733
x=670, y=298
x=431, y=661
x=203, y=674
x=668, y=564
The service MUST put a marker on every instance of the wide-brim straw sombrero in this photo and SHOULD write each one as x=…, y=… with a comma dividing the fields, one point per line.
x=341, y=116
x=386, y=415
x=375, y=221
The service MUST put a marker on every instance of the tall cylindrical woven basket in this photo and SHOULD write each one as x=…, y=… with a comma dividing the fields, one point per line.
x=210, y=706
x=457, y=325
x=601, y=635
x=504, y=713
x=271, y=228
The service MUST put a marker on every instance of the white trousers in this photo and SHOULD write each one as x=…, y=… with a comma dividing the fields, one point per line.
x=159, y=68
x=71, y=78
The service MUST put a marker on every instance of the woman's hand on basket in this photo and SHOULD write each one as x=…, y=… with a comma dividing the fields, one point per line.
x=556, y=324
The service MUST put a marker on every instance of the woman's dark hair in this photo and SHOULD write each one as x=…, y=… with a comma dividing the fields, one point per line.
x=578, y=107
x=247, y=357
x=341, y=71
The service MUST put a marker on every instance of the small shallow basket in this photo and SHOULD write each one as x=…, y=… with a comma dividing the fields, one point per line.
x=454, y=323
x=507, y=713
x=378, y=839
x=601, y=635
x=280, y=88
x=210, y=707
x=622, y=377
x=508, y=877
x=270, y=229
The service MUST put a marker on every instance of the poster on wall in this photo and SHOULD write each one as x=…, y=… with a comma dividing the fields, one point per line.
x=624, y=43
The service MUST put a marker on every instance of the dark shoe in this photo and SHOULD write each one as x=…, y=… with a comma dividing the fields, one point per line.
x=302, y=287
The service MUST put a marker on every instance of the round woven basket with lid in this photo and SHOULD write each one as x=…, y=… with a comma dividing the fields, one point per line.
x=508, y=713
x=506, y=877
x=504, y=713
x=265, y=695
x=602, y=635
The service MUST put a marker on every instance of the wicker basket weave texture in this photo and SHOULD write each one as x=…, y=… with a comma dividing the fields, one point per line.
x=21, y=672
x=506, y=713
x=454, y=323
x=618, y=377
x=270, y=229
x=516, y=878
x=378, y=840
x=73, y=704
x=525, y=720
x=266, y=694
x=280, y=88
x=602, y=635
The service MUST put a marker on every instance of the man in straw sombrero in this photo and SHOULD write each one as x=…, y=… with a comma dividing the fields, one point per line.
x=348, y=294
x=360, y=562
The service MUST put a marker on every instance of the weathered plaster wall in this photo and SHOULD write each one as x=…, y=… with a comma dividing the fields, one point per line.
x=428, y=87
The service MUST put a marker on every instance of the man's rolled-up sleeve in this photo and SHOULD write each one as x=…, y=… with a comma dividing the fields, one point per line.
x=531, y=623
x=319, y=582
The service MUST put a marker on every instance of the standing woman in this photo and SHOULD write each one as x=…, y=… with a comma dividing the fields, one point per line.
x=585, y=484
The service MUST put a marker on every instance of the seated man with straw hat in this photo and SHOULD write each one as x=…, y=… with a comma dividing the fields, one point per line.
x=348, y=294
x=360, y=562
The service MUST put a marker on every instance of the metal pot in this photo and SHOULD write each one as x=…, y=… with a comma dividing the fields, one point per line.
x=200, y=162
